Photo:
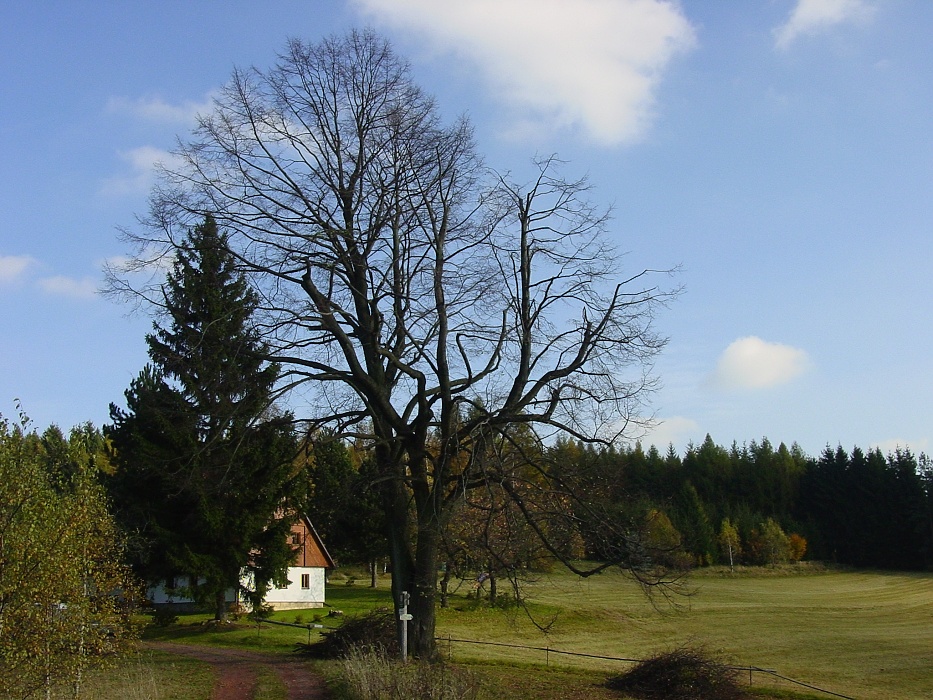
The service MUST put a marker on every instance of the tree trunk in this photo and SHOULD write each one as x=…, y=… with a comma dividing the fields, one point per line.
x=373, y=573
x=493, y=591
x=220, y=606
x=421, y=642
x=403, y=564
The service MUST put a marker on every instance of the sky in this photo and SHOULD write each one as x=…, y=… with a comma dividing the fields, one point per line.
x=779, y=154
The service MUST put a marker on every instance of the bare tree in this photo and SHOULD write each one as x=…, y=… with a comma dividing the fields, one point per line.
x=413, y=299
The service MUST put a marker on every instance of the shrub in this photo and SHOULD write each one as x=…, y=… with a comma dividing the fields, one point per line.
x=683, y=674
x=370, y=675
x=375, y=630
x=797, y=546
x=163, y=615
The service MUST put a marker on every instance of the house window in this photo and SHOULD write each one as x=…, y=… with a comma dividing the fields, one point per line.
x=296, y=538
x=306, y=581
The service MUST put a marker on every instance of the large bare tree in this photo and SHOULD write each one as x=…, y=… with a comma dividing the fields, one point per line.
x=413, y=299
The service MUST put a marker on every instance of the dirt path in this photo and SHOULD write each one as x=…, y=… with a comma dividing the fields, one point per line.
x=236, y=671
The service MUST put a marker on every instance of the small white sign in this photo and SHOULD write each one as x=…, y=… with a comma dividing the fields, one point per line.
x=406, y=617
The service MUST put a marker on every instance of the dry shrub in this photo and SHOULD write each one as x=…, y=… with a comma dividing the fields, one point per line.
x=371, y=675
x=375, y=630
x=683, y=674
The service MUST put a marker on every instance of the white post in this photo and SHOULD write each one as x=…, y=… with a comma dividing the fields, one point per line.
x=403, y=620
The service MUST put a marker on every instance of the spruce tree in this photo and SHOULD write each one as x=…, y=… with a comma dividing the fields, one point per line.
x=204, y=469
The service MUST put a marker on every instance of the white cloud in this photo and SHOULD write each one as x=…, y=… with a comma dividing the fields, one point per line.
x=752, y=363
x=157, y=110
x=142, y=163
x=814, y=16
x=13, y=267
x=594, y=64
x=60, y=285
x=675, y=430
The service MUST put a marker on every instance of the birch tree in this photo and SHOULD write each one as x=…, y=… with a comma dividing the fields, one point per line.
x=61, y=574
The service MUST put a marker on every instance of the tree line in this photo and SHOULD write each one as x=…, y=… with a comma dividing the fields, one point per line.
x=757, y=504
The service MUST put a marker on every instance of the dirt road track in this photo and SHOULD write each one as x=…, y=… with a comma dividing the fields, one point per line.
x=236, y=671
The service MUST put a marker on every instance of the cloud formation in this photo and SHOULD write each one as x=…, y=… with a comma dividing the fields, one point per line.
x=814, y=16
x=752, y=363
x=143, y=162
x=675, y=430
x=155, y=109
x=60, y=285
x=589, y=64
x=13, y=267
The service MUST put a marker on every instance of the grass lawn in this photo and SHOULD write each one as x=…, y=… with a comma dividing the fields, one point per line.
x=867, y=635
x=862, y=634
x=147, y=675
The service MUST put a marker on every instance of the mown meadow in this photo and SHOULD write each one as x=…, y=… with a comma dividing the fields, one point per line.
x=865, y=635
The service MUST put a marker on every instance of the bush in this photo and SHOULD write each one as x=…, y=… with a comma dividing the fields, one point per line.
x=163, y=615
x=683, y=674
x=376, y=630
x=370, y=675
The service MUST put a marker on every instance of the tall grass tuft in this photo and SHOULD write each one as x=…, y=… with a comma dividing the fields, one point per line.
x=370, y=675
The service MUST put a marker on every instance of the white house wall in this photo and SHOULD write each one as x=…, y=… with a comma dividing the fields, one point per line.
x=293, y=596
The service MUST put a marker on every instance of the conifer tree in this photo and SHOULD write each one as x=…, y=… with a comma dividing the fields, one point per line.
x=204, y=469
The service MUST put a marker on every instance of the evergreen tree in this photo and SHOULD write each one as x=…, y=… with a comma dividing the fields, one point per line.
x=205, y=472
x=345, y=502
x=691, y=519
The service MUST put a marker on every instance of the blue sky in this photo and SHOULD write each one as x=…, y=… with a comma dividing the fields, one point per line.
x=779, y=152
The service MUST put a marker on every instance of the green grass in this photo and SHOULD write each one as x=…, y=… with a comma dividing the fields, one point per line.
x=868, y=635
x=148, y=675
x=244, y=633
x=864, y=634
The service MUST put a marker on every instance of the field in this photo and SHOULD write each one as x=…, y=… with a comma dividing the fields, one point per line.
x=867, y=635
x=860, y=634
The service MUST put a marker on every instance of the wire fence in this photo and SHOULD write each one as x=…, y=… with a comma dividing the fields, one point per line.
x=303, y=626
x=548, y=651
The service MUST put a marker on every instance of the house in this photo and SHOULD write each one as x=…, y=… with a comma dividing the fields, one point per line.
x=306, y=576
